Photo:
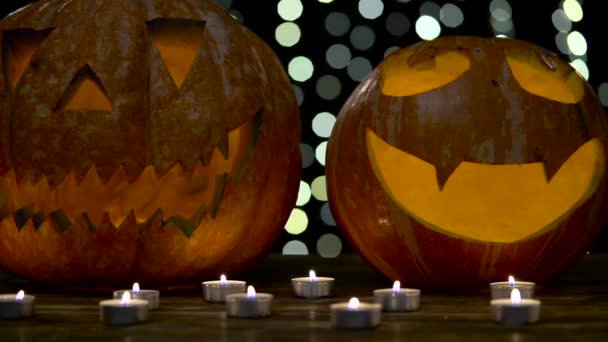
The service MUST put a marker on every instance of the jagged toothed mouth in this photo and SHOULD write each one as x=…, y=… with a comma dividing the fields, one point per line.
x=498, y=203
x=180, y=196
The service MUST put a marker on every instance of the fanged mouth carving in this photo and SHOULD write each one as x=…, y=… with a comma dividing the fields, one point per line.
x=180, y=197
x=498, y=203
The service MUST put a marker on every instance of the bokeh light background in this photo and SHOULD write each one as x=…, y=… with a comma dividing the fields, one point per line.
x=328, y=46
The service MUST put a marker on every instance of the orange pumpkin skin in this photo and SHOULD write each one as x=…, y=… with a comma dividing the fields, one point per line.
x=445, y=127
x=118, y=164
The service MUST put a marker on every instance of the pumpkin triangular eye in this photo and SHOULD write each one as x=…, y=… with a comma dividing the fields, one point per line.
x=86, y=92
x=178, y=42
x=18, y=47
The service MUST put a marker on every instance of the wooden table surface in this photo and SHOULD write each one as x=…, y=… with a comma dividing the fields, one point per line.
x=574, y=309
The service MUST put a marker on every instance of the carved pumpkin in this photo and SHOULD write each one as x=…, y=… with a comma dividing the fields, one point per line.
x=459, y=161
x=141, y=140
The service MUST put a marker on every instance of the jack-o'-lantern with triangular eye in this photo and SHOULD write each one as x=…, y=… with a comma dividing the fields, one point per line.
x=140, y=140
x=464, y=160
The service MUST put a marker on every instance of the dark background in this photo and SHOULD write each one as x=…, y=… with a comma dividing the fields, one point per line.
x=531, y=22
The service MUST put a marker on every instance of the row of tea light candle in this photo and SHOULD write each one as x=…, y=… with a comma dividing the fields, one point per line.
x=511, y=302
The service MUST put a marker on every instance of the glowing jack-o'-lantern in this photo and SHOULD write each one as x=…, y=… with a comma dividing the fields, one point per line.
x=460, y=161
x=141, y=140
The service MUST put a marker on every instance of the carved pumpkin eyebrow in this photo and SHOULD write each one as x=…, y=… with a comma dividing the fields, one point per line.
x=18, y=47
x=533, y=73
x=399, y=77
x=178, y=42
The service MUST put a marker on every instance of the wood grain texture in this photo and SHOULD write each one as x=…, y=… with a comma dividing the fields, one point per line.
x=576, y=308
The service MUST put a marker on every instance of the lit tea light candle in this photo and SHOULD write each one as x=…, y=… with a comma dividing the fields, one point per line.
x=502, y=289
x=249, y=305
x=312, y=286
x=152, y=296
x=355, y=315
x=397, y=298
x=215, y=291
x=123, y=311
x=515, y=310
x=15, y=306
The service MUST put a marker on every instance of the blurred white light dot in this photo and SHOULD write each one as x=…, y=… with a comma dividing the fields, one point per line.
x=358, y=68
x=329, y=246
x=287, y=34
x=501, y=14
x=391, y=50
x=603, y=93
x=327, y=216
x=427, y=27
x=397, y=24
x=362, y=37
x=323, y=123
x=300, y=68
x=573, y=10
x=304, y=194
x=326, y=1
x=320, y=154
x=501, y=36
x=561, y=21
x=297, y=222
x=295, y=247
x=290, y=9
x=451, y=15
x=338, y=56
x=337, y=23
x=328, y=87
x=299, y=94
x=308, y=155
x=577, y=43
x=431, y=9
x=581, y=67
x=500, y=10
x=502, y=26
x=371, y=9
x=561, y=41
x=319, y=188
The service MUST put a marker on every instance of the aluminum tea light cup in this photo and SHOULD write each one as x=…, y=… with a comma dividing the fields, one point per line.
x=124, y=311
x=515, y=311
x=151, y=296
x=398, y=299
x=355, y=315
x=215, y=291
x=16, y=306
x=249, y=305
x=312, y=286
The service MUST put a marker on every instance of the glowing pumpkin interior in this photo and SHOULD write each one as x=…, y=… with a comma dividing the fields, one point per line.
x=182, y=195
x=496, y=203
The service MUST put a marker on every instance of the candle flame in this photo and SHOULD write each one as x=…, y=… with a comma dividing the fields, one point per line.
x=353, y=303
x=223, y=280
x=126, y=298
x=511, y=280
x=250, y=292
x=20, y=295
x=515, y=297
x=396, y=286
x=135, y=288
x=312, y=275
